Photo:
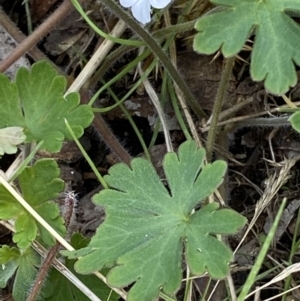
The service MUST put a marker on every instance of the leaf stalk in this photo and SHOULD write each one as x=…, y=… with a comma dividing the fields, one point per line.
x=218, y=105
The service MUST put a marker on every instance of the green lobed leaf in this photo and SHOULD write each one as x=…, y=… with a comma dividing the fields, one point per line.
x=10, y=137
x=26, y=230
x=276, y=45
x=10, y=100
x=29, y=261
x=9, y=207
x=22, y=264
x=295, y=121
x=39, y=185
x=36, y=103
x=146, y=227
x=64, y=290
x=6, y=272
x=8, y=254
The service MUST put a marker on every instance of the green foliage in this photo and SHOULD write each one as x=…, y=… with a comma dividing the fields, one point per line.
x=35, y=102
x=24, y=265
x=21, y=264
x=295, y=121
x=276, y=46
x=39, y=185
x=65, y=290
x=147, y=226
x=6, y=272
x=10, y=137
x=8, y=254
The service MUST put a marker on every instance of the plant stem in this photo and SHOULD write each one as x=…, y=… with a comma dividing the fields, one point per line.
x=97, y=58
x=152, y=44
x=294, y=248
x=42, y=274
x=155, y=101
x=69, y=205
x=106, y=134
x=60, y=13
x=29, y=21
x=13, y=30
x=218, y=105
x=34, y=214
x=116, y=54
x=110, y=139
x=260, y=258
x=131, y=121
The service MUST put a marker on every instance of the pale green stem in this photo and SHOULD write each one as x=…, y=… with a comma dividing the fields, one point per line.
x=151, y=43
x=261, y=256
x=129, y=67
x=218, y=105
x=178, y=113
x=102, y=33
x=28, y=16
x=294, y=248
x=131, y=121
x=86, y=156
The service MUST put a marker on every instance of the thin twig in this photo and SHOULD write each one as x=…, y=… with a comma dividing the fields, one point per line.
x=154, y=98
x=42, y=274
x=180, y=95
x=61, y=268
x=97, y=58
x=60, y=13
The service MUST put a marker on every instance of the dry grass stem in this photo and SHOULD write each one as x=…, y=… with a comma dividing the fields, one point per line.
x=275, y=182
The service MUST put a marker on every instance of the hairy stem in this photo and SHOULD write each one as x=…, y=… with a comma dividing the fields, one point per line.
x=218, y=105
x=35, y=53
x=110, y=139
x=42, y=274
x=70, y=199
x=60, y=13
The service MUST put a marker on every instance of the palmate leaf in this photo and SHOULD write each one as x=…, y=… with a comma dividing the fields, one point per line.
x=24, y=265
x=295, y=121
x=36, y=103
x=276, y=45
x=147, y=227
x=64, y=290
x=10, y=137
x=40, y=185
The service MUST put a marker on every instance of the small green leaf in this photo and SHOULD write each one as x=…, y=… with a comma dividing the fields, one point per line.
x=295, y=121
x=9, y=207
x=8, y=254
x=147, y=227
x=24, y=265
x=36, y=103
x=26, y=230
x=39, y=186
x=203, y=252
x=10, y=100
x=276, y=45
x=26, y=274
x=6, y=272
x=64, y=290
x=10, y=137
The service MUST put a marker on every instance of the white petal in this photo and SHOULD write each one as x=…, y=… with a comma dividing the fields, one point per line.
x=141, y=11
x=159, y=3
x=128, y=3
